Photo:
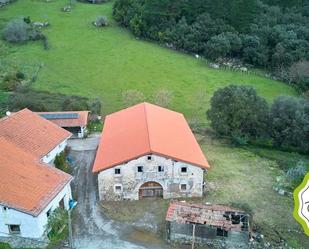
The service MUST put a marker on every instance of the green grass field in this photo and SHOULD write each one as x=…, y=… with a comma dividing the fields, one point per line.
x=104, y=62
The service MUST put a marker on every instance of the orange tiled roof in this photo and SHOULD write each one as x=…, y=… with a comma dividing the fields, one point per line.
x=26, y=184
x=147, y=129
x=32, y=133
x=82, y=119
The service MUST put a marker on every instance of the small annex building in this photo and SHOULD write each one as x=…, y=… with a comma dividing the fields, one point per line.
x=30, y=189
x=34, y=134
x=215, y=225
x=148, y=151
x=73, y=121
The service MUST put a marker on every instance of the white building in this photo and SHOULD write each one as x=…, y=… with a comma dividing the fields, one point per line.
x=34, y=134
x=30, y=191
x=148, y=151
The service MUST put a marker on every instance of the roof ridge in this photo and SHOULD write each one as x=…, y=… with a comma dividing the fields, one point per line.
x=147, y=127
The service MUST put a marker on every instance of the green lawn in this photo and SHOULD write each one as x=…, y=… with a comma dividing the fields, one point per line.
x=104, y=62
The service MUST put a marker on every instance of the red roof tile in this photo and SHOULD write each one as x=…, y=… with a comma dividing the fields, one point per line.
x=32, y=133
x=82, y=119
x=147, y=129
x=26, y=184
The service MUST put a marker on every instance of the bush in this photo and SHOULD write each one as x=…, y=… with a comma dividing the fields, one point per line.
x=61, y=162
x=101, y=21
x=239, y=112
x=10, y=82
x=57, y=225
x=17, y=31
x=295, y=175
x=132, y=97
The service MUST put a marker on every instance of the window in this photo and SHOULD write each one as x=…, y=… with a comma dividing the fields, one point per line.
x=149, y=158
x=117, y=171
x=14, y=229
x=183, y=187
x=118, y=188
x=48, y=213
x=183, y=169
x=221, y=232
x=5, y=208
x=160, y=168
x=140, y=169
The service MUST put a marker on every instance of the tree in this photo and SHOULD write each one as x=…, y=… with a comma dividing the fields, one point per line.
x=238, y=111
x=289, y=123
x=132, y=97
x=299, y=74
x=218, y=46
x=163, y=97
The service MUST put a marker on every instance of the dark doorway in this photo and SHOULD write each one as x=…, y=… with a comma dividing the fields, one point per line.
x=150, y=189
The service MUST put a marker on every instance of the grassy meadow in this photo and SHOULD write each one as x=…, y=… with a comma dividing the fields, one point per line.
x=104, y=62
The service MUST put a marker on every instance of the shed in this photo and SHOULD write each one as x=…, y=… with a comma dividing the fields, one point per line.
x=73, y=121
x=210, y=224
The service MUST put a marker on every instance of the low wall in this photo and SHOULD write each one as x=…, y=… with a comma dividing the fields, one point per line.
x=16, y=241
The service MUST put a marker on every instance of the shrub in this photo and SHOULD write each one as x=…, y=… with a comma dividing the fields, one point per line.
x=101, y=21
x=238, y=110
x=295, y=175
x=17, y=31
x=163, y=97
x=132, y=97
x=61, y=162
x=57, y=225
x=10, y=82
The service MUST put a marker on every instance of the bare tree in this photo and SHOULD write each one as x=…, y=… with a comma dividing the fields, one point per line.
x=163, y=97
x=299, y=71
x=132, y=97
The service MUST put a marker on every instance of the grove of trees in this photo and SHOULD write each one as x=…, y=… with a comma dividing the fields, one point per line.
x=270, y=34
x=238, y=112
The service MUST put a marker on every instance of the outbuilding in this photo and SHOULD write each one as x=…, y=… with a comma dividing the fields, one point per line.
x=148, y=151
x=216, y=225
x=72, y=121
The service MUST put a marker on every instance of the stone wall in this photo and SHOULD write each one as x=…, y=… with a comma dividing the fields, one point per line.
x=18, y=242
x=130, y=180
x=206, y=235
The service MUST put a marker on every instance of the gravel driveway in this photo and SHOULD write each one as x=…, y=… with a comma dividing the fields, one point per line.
x=91, y=229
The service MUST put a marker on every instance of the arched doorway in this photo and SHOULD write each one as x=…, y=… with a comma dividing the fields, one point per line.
x=150, y=189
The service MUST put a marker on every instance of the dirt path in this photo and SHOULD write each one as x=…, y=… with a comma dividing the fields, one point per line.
x=91, y=229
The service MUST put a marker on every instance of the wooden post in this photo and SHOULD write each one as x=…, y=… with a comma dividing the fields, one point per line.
x=193, y=236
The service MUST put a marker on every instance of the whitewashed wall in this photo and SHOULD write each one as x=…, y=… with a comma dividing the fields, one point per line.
x=130, y=179
x=30, y=226
x=53, y=153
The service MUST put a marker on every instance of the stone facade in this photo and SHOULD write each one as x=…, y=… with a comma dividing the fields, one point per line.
x=178, y=179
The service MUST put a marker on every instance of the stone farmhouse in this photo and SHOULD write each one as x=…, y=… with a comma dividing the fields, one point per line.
x=148, y=151
x=30, y=189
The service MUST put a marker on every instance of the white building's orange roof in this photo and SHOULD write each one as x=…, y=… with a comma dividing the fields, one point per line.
x=147, y=129
x=32, y=133
x=26, y=184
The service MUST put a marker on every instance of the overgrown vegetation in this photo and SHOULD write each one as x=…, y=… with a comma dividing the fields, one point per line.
x=57, y=226
x=62, y=163
x=21, y=30
x=273, y=37
x=238, y=112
